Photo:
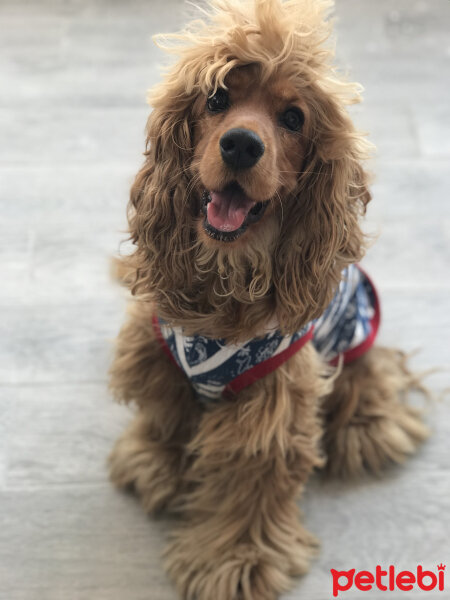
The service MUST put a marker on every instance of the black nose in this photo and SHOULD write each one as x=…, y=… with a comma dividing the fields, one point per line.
x=241, y=148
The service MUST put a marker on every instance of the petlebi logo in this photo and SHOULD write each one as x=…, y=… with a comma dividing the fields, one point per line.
x=388, y=580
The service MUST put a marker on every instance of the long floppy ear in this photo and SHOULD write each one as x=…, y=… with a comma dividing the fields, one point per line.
x=159, y=207
x=321, y=224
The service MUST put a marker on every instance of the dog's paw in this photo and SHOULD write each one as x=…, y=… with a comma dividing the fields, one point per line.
x=146, y=467
x=372, y=444
x=241, y=572
x=371, y=424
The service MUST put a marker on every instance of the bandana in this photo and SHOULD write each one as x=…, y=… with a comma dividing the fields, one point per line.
x=347, y=328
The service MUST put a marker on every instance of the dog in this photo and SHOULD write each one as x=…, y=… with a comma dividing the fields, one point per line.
x=249, y=346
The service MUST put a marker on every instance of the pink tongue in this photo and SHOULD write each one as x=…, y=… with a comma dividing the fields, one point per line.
x=228, y=209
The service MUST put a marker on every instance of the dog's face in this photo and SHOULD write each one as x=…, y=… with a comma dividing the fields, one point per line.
x=250, y=146
x=249, y=200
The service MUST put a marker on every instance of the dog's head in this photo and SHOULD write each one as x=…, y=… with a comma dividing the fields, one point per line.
x=250, y=147
x=252, y=187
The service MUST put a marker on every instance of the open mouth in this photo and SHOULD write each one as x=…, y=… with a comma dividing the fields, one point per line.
x=228, y=213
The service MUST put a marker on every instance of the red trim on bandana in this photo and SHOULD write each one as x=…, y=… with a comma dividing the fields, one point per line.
x=364, y=346
x=162, y=341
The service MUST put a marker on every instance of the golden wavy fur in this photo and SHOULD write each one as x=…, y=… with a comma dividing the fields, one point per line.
x=234, y=473
x=204, y=288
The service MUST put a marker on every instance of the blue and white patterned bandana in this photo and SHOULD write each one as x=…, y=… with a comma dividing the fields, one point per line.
x=347, y=327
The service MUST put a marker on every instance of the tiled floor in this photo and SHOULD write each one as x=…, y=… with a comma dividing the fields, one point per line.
x=73, y=77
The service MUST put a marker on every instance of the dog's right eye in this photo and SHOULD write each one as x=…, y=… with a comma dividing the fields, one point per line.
x=293, y=119
x=219, y=101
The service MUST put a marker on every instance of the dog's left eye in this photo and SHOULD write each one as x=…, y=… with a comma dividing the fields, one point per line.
x=219, y=101
x=293, y=119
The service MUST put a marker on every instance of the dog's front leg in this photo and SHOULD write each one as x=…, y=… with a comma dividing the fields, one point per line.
x=242, y=537
x=150, y=455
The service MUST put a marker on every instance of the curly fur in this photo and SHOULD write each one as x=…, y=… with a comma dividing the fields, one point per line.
x=201, y=288
x=234, y=472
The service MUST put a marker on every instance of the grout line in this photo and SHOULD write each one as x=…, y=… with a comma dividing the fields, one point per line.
x=53, y=384
x=51, y=486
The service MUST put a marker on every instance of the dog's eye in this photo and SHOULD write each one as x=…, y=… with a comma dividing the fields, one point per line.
x=293, y=119
x=219, y=101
